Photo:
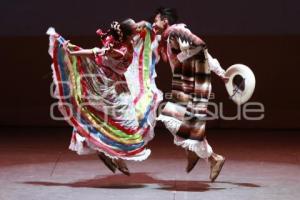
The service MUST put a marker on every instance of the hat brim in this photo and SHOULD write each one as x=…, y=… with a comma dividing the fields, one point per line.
x=238, y=95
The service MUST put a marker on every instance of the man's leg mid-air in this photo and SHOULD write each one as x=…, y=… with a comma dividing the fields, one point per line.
x=196, y=145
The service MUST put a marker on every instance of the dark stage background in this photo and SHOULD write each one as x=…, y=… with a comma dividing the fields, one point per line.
x=264, y=35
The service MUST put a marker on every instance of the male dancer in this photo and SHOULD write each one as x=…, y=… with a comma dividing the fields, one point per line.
x=185, y=116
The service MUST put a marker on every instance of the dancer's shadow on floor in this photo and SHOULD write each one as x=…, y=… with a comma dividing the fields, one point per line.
x=141, y=180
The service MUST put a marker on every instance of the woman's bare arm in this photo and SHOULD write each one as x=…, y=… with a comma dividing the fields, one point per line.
x=82, y=52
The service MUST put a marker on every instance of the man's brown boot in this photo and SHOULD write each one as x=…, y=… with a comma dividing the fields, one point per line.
x=192, y=158
x=216, y=164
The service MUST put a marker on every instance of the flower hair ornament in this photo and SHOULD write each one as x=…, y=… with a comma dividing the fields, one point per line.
x=116, y=27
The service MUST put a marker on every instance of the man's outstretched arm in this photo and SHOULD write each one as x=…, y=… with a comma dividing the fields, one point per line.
x=216, y=67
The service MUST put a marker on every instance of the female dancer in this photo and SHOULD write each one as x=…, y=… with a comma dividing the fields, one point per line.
x=95, y=99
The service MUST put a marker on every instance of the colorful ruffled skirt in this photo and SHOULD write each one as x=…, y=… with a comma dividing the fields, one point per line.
x=116, y=119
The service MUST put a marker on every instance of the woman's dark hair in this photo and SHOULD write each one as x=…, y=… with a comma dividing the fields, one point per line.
x=121, y=31
x=167, y=13
x=126, y=28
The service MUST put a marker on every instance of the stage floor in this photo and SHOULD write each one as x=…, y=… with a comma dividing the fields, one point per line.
x=35, y=164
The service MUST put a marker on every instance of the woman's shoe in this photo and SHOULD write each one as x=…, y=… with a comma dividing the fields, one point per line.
x=122, y=167
x=108, y=162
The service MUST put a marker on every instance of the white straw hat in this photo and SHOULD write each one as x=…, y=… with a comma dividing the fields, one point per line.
x=241, y=83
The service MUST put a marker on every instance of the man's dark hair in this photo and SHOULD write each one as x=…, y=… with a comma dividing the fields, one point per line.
x=167, y=13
